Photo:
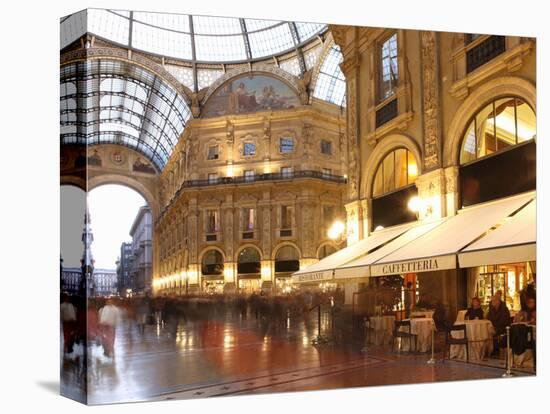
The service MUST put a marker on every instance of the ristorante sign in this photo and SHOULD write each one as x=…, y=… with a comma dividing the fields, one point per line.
x=312, y=277
x=414, y=266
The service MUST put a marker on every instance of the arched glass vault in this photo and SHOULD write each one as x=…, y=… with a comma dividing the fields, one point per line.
x=116, y=102
x=192, y=38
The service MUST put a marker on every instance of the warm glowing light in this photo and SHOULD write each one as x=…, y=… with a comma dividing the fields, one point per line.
x=379, y=228
x=415, y=204
x=336, y=230
x=266, y=272
x=229, y=170
x=413, y=170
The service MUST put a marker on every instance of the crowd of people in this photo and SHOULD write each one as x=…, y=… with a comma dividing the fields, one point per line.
x=94, y=321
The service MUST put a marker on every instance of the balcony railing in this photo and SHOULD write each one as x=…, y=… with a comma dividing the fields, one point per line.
x=260, y=178
x=266, y=177
x=484, y=52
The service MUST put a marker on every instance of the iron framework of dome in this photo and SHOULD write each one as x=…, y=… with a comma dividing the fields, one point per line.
x=115, y=102
x=110, y=101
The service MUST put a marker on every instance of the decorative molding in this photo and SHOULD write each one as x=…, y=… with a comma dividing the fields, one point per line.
x=431, y=101
x=510, y=61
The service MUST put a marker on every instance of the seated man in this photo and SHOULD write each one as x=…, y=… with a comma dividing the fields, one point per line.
x=499, y=315
x=529, y=314
x=474, y=311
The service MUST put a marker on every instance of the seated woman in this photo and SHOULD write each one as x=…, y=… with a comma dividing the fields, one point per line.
x=529, y=314
x=474, y=311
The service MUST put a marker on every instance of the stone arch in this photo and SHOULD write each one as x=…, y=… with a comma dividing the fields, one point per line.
x=495, y=88
x=283, y=244
x=326, y=243
x=133, y=183
x=387, y=144
x=292, y=81
x=207, y=249
x=245, y=246
x=74, y=181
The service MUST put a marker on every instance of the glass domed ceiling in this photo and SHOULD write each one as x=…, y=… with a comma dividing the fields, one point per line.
x=191, y=38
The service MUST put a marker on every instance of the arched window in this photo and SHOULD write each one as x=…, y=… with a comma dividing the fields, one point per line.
x=287, y=260
x=212, y=263
x=248, y=261
x=502, y=123
x=325, y=251
x=397, y=170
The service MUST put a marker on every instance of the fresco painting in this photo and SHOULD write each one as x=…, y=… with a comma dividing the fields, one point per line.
x=251, y=94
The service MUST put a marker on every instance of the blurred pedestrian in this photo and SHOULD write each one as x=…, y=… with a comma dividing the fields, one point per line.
x=68, y=321
x=109, y=318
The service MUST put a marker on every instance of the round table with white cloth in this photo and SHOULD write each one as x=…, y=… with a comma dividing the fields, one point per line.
x=480, y=334
x=422, y=314
x=422, y=328
x=381, y=329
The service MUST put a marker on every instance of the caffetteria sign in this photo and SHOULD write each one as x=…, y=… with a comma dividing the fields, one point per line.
x=414, y=266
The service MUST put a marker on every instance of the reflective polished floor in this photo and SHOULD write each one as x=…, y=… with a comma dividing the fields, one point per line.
x=228, y=354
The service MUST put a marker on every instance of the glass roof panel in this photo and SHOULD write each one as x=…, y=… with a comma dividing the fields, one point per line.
x=220, y=48
x=109, y=25
x=271, y=41
x=73, y=27
x=255, y=24
x=117, y=102
x=161, y=41
x=308, y=30
x=207, y=25
x=177, y=22
x=331, y=83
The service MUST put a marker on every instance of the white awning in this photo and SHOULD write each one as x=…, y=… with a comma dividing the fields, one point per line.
x=438, y=248
x=361, y=267
x=323, y=270
x=514, y=241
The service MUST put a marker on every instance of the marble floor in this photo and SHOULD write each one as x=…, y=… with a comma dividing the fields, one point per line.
x=227, y=354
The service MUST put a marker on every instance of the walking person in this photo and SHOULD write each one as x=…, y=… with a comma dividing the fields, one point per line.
x=109, y=318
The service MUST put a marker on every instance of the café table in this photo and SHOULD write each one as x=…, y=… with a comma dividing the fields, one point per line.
x=422, y=328
x=422, y=314
x=480, y=339
x=382, y=329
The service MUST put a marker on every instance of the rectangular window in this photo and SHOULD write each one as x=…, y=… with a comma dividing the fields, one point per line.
x=213, y=152
x=286, y=217
x=249, y=149
x=388, y=72
x=286, y=172
x=286, y=145
x=248, y=218
x=213, y=178
x=212, y=221
x=326, y=147
x=249, y=175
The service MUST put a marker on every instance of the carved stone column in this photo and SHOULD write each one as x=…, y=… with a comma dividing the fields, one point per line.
x=431, y=190
x=431, y=100
x=193, y=273
x=451, y=190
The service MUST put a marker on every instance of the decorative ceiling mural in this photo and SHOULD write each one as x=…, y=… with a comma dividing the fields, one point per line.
x=249, y=94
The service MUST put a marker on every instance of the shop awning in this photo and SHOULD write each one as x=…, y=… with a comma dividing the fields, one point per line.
x=514, y=241
x=361, y=267
x=438, y=249
x=323, y=270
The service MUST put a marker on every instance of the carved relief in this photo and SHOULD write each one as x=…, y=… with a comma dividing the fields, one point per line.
x=353, y=145
x=431, y=100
